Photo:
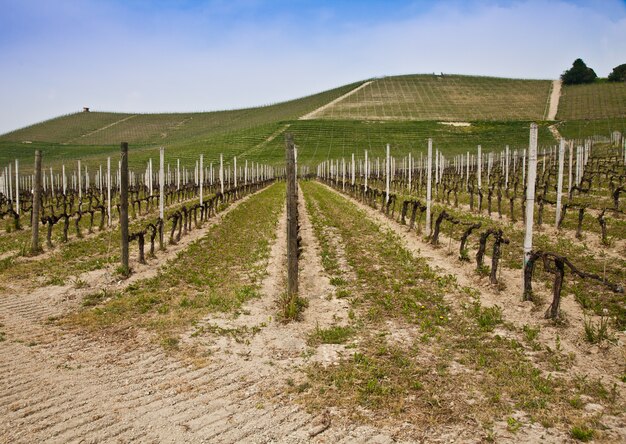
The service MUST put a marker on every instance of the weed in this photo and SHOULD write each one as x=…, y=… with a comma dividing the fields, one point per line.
x=483, y=270
x=170, y=343
x=79, y=283
x=93, y=299
x=576, y=402
x=596, y=333
x=513, y=425
x=54, y=280
x=464, y=256
x=530, y=333
x=333, y=335
x=291, y=307
x=582, y=433
x=488, y=317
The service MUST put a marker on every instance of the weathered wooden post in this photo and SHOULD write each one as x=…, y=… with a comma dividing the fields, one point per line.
x=428, y=184
x=387, y=176
x=80, y=188
x=124, y=207
x=109, y=190
x=353, y=170
x=17, y=186
x=201, y=177
x=292, y=219
x=34, y=248
x=222, y=173
x=530, y=191
x=506, y=167
x=177, y=174
x=559, y=185
x=366, y=170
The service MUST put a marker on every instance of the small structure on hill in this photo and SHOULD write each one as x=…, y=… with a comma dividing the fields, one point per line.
x=85, y=109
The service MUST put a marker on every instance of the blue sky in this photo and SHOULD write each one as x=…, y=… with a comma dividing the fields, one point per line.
x=57, y=56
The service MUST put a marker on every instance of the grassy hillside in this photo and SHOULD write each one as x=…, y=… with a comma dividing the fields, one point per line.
x=447, y=98
x=581, y=129
x=403, y=111
x=110, y=128
x=594, y=101
x=322, y=139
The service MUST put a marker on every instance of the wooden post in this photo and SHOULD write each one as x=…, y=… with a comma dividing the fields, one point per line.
x=559, y=186
x=479, y=170
x=17, y=186
x=530, y=191
x=80, y=187
x=109, y=189
x=201, y=178
x=366, y=170
x=161, y=181
x=34, y=249
x=353, y=170
x=124, y=207
x=506, y=168
x=221, y=173
x=410, y=172
x=292, y=219
x=387, y=174
x=429, y=173
x=177, y=174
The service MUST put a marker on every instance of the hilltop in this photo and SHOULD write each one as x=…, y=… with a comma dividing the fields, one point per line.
x=400, y=110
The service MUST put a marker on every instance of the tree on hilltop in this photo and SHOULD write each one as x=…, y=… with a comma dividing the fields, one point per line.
x=579, y=73
x=618, y=74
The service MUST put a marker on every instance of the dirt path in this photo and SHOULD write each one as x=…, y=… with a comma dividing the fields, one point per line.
x=314, y=114
x=555, y=95
x=102, y=129
x=61, y=386
x=604, y=363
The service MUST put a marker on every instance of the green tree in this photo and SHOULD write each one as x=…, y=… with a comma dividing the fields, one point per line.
x=578, y=73
x=618, y=74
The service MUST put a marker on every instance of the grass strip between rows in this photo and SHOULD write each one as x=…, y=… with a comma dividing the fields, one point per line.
x=448, y=365
x=216, y=273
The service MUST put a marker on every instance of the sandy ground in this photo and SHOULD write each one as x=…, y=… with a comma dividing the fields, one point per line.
x=555, y=95
x=596, y=362
x=62, y=386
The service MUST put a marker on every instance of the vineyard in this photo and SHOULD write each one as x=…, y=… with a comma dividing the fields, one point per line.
x=345, y=267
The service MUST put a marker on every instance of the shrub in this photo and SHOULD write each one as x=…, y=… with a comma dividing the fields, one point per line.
x=618, y=74
x=579, y=73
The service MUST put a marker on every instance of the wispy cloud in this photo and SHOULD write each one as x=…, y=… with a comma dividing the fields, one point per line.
x=149, y=56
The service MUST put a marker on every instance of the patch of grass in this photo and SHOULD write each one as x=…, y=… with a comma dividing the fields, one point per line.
x=596, y=333
x=531, y=333
x=450, y=347
x=93, y=299
x=512, y=424
x=487, y=317
x=434, y=97
x=582, y=433
x=333, y=335
x=291, y=307
x=217, y=273
x=170, y=343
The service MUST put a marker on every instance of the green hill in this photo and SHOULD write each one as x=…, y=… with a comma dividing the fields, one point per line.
x=445, y=98
x=596, y=101
x=402, y=111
